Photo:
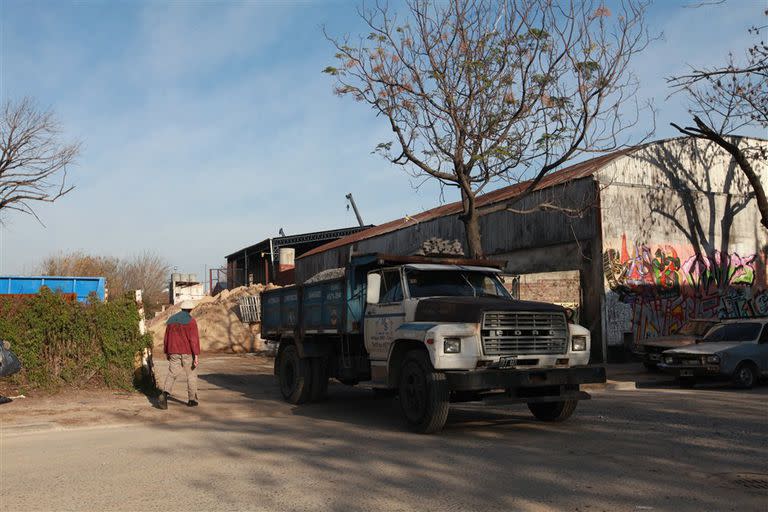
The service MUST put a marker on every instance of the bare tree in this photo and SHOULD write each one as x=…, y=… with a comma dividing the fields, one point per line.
x=724, y=100
x=78, y=263
x=34, y=160
x=481, y=91
x=146, y=271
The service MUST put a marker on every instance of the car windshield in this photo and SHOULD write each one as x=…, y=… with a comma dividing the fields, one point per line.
x=453, y=283
x=696, y=328
x=747, y=331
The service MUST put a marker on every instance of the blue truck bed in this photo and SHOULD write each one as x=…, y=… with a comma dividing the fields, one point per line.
x=317, y=308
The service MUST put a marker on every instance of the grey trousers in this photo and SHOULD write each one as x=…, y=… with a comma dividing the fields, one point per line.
x=177, y=363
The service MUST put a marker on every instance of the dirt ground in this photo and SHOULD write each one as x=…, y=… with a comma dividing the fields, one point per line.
x=640, y=444
x=220, y=375
x=41, y=410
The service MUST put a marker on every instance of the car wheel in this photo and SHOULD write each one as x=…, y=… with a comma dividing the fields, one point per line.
x=553, y=411
x=745, y=376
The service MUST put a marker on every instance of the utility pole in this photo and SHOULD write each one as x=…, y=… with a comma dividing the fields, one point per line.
x=354, y=207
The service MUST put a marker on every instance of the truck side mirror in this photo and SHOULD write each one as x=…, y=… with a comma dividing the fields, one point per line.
x=373, y=288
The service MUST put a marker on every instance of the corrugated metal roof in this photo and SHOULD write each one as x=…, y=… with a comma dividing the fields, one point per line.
x=574, y=172
x=300, y=238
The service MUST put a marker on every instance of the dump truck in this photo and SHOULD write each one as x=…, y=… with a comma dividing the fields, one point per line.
x=431, y=330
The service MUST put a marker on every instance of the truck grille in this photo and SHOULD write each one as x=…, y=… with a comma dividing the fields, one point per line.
x=522, y=332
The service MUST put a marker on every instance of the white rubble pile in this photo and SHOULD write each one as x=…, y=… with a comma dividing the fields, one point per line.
x=440, y=247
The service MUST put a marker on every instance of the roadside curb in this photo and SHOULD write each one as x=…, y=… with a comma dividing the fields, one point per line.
x=628, y=385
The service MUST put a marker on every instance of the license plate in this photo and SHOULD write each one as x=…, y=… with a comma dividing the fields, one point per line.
x=686, y=373
x=508, y=362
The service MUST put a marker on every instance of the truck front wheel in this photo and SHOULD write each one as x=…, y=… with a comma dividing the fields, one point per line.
x=553, y=411
x=423, y=394
x=294, y=375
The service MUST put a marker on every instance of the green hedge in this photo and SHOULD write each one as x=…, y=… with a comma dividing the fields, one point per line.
x=62, y=342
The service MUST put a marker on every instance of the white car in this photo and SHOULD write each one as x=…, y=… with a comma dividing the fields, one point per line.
x=735, y=349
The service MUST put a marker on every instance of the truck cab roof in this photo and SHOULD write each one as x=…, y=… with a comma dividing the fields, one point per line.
x=378, y=259
x=464, y=268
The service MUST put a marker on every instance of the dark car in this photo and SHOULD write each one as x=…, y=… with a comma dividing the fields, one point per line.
x=649, y=350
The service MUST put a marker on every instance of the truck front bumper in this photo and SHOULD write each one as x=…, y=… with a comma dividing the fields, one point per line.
x=567, y=378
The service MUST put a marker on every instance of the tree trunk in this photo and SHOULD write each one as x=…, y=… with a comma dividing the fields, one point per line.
x=754, y=180
x=703, y=131
x=471, y=221
x=472, y=229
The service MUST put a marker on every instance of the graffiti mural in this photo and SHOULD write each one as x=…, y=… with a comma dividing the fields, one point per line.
x=660, y=287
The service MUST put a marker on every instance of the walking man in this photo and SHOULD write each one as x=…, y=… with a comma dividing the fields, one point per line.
x=182, y=348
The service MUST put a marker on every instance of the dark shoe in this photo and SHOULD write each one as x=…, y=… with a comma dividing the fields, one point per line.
x=162, y=401
x=192, y=403
x=5, y=399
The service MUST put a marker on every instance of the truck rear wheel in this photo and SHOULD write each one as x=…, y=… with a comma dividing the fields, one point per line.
x=423, y=394
x=553, y=411
x=319, y=379
x=294, y=375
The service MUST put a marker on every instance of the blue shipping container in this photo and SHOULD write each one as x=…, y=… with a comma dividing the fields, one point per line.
x=80, y=286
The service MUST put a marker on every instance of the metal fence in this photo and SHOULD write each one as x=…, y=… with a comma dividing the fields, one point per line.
x=250, y=309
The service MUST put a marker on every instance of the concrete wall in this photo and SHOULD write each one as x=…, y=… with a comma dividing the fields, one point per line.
x=681, y=239
x=562, y=287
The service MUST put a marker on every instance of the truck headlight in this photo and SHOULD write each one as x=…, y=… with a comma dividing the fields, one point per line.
x=452, y=345
x=669, y=359
x=579, y=343
x=715, y=359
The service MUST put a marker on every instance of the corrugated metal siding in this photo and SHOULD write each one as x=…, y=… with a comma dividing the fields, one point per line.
x=502, y=231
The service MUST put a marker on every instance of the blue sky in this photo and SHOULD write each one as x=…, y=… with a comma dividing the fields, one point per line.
x=207, y=126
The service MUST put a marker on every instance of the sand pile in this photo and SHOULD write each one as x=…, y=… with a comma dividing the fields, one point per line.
x=218, y=321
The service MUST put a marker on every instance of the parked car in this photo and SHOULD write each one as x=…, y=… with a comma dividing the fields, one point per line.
x=735, y=349
x=649, y=350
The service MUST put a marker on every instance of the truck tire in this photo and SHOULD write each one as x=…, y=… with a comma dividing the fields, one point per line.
x=423, y=393
x=553, y=411
x=746, y=375
x=294, y=376
x=319, y=379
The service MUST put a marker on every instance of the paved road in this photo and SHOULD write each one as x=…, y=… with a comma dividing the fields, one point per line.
x=243, y=449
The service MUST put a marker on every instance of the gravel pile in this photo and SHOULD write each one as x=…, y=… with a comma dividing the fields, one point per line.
x=325, y=275
x=218, y=322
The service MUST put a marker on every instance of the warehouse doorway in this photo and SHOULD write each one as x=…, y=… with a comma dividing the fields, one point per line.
x=561, y=287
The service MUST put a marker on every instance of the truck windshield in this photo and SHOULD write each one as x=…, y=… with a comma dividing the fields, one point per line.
x=747, y=331
x=453, y=283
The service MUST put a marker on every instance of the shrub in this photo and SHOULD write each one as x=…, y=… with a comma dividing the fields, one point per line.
x=62, y=342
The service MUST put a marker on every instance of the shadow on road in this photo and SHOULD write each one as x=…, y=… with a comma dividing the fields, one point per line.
x=650, y=445
x=361, y=406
